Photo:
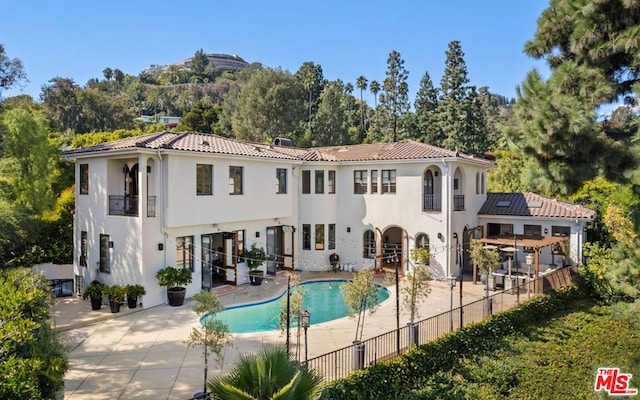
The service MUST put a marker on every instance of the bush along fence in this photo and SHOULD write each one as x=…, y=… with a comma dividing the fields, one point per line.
x=400, y=375
x=340, y=363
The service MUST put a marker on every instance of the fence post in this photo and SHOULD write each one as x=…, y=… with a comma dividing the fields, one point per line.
x=414, y=333
x=358, y=355
x=487, y=307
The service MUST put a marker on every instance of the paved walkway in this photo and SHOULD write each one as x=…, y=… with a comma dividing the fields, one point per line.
x=142, y=354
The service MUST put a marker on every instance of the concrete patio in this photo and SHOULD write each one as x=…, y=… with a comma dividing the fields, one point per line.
x=142, y=354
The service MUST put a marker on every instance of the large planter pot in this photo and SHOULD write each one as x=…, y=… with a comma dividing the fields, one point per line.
x=255, y=277
x=176, y=296
x=115, y=306
x=96, y=303
x=132, y=302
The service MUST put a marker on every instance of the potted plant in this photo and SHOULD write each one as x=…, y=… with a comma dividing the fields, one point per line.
x=94, y=292
x=133, y=292
x=174, y=279
x=116, y=294
x=255, y=257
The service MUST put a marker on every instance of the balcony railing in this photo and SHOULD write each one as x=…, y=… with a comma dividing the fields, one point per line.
x=128, y=205
x=458, y=202
x=123, y=205
x=432, y=202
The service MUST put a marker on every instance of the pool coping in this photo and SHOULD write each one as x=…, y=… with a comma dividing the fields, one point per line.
x=281, y=293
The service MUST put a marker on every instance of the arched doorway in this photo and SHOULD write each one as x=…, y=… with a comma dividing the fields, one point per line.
x=392, y=248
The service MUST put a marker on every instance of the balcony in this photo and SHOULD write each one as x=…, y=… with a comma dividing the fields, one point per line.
x=432, y=202
x=127, y=205
x=458, y=202
x=123, y=205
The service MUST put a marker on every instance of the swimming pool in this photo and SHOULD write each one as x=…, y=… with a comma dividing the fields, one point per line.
x=322, y=298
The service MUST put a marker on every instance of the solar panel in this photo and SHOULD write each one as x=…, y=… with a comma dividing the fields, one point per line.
x=534, y=204
x=503, y=203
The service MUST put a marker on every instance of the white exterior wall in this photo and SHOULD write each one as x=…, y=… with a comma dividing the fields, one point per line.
x=92, y=216
x=378, y=212
x=136, y=255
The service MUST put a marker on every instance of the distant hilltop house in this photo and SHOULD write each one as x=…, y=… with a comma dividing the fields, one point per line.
x=222, y=62
x=178, y=199
x=163, y=119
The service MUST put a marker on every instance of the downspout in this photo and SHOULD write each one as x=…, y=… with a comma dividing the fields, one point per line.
x=448, y=216
x=162, y=199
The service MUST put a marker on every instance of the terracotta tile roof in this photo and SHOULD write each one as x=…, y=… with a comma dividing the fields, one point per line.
x=406, y=149
x=532, y=205
x=198, y=142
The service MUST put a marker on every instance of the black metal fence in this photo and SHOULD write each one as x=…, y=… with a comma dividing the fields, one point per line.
x=340, y=363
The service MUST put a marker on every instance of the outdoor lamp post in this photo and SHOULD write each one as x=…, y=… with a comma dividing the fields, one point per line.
x=306, y=321
x=452, y=283
x=288, y=312
x=395, y=260
x=529, y=261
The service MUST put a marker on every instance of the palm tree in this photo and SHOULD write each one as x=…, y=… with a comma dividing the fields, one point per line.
x=348, y=88
x=119, y=77
x=269, y=374
x=361, y=83
x=375, y=88
x=108, y=74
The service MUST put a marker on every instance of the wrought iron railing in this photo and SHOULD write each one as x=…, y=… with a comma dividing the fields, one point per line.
x=458, y=202
x=340, y=363
x=123, y=205
x=127, y=205
x=432, y=202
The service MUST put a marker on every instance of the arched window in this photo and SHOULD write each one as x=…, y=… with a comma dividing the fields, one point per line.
x=368, y=244
x=482, y=183
x=428, y=199
x=478, y=183
x=422, y=242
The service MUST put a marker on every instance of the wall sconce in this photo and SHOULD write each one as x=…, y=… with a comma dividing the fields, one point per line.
x=110, y=244
x=160, y=246
x=348, y=229
x=440, y=236
x=257, y=234
x=455, y=235
x=546, y=231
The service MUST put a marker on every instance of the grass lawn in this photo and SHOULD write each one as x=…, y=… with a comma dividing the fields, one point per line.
x=557, y=359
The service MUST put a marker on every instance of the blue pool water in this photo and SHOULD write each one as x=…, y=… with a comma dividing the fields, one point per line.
x=322, y=298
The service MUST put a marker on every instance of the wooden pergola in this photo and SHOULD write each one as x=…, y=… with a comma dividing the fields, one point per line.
x=535, y=243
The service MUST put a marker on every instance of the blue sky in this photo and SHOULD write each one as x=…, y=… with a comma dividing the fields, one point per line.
x=78, y=39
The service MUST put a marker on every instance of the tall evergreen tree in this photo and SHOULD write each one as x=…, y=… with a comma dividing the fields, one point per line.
x=593, y=50
x=61, y=104
x=270, y=105
x=426, y=105
x=199, y=63
x=330, y=121
x=453, y=94
x=396, y=92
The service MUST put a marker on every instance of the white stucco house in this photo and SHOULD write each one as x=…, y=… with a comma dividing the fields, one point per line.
x=176, y=199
